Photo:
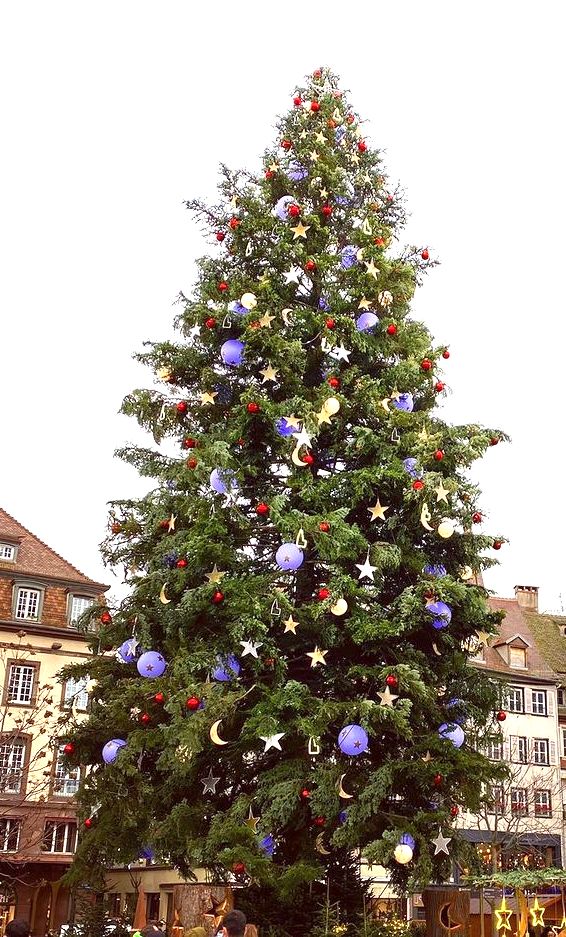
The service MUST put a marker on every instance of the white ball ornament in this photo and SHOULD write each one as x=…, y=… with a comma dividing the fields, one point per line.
x=445, y=529
x=403, y=854
x=248, y=301
x=332, y=405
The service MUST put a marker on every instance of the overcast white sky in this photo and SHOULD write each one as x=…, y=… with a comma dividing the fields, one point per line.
x=113, y=112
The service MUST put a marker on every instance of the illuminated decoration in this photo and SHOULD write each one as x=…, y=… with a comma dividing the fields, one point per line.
x=537, y=914
x=502, y=915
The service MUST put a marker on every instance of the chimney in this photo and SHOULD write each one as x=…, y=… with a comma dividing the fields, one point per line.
x=527, y=597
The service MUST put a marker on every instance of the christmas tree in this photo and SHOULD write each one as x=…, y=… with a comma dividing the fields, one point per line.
x=288, y=680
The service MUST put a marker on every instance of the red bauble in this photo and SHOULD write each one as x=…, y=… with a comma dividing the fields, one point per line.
x=189, y=443
x=269, y=174
x=145, y=719
x=234, y=223
x=426, y=364
x=389, y=198
x=88, y=823
x=164, y=525
x=331, y=123
x=326, y=210
x=379, y=241
x=501, y=715
x=220, y=235
x=238, y=868
x=297, y=100
x=476, y=517
x=323, y=594
x=192, y=463
x=241, y=442
x=324, y=526
x=294, y=211
x=317, y=73
x=68, y=749
x=437, y=780
x=446, y=353
x=182, y=563
x=418, y=485
x=193, y=703
x=182, y=407
x=362, y=147
x=310, y=266
x=330, y=324
x=424, y=254
x=116, y=528
x=334, y=383
x=319, y=821
x=223, y=286
x=210, y=323
x=439, y=455
x=454, y=810
x=315, y=106
x=253, y=407
x=262, y=509
x=391, y=329
x=391, y=680
x=497, y=544
x=439, y=386
x=218, y=597
x=305, y=793
x=106, y=617
x=308, y=458
x=286, y=144
x=494, y=440
x=350, y=118
x=159, y=698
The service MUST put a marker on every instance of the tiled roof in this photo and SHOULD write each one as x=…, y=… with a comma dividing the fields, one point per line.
x=517, y=621
x=35, y=558
x=550, y=640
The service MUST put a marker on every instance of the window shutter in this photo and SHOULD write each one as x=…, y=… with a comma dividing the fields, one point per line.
x=552, y=752
x=550, y=702
x=505, y=752
x=513, y=748
x=528, y=694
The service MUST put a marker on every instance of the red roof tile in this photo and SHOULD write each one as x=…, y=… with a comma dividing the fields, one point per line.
x=515, y=622
x=35, y=558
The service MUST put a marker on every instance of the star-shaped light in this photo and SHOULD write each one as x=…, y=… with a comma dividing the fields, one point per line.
x=292, y=275
x=266, y=320
x=171, y=524
x=290, y=625
x=320, y=138
x=537, y=914
x=317, y=656
x=300, y=230
x=252, y=821
x=303, y=439
x=217, y=575
x=314, y=156
x=387, y=698
x=208, y=396
x=210, y=783
x=483, y=638
x=250, y=648
x=441, y=843
x=269, y=373
x=378, y=511
x=292, y=421
x=441, y=492
x=341, y=353
x=364, y=303
x=366, y=569
x=502, y=914
x=272, y=741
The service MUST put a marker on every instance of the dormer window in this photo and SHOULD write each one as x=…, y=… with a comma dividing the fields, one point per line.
x=513, y=651
x=28, y=601
x=518, y=658
x=7, y=552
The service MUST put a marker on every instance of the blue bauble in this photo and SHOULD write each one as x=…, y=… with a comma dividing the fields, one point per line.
x=232, y=352
x=410, y=465
x=404, y=402
x=406, y=839
x=339, y=134
x=224, y=393
x=171, y=484
x=127, y=651
x=296, y=171
x=442, y=614
x=146, y=852
x=353, y=740
x=283, y=427
x=343, y=816
x=111, y=749
x=289, y=557
x=151, y=664
x=456, y=708
x=281, y=209
x=267, y=845
x=324, y=304
x=226, y=669
x=453, y=733
x=349, y=256
x=237, y=308
x=432, y=570
x=222, y=479
x=367, y=322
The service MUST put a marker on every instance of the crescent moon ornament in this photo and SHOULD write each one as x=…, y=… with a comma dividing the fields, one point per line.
x=285, y=316
x=339, y=608
x=296, y=459
x=425, y=517
x=436, y=651
x=360, y=253
x=320, y=847
x=341, y=791
x=385, y=404
x=162, y=596
x=466, y=573
x=214, y=733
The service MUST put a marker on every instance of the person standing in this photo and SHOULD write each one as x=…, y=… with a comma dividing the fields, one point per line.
x=234, y=924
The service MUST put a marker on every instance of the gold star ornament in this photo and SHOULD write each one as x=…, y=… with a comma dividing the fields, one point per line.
x=290, y=625
x=378, y=511
x=300, y=230
x=371, y=269
x=208, y=396
x=216, y=576
x=269, y=373
x=317, y=656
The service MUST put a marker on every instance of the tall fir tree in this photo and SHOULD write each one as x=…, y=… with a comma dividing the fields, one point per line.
x=288, y=680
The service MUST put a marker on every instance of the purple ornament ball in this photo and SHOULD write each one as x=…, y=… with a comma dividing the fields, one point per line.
x=237, y=308
x=289, y=556
x=281, y=209
x=366, y=322
x=431, y=570
x=452, y=733
x=111, y=749
x=151, y=664
x=232, y=352
x=410, y=466
x=353, y=740
x=442, y=614
x=221, y=479
x=405, y=402
x=267, y=845
x=349, y=256
x=127, y=651
x=296, y=171
x=283, y=427
x=406, y=840
x=226, y=669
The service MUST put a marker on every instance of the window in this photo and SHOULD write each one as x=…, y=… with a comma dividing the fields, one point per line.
x=543, y=804
x=564, y=743
x=517, y=658
x=66, y=781
x=496, y=802
x=519, y=805
x=10, y=835
x=540, y=752
x=519, y=749
x=27, y=604
x=79, y=605
x=59, y=836
x=12, y=758
x=560, y=695
x=7, y=551
x=515, y=702
x=494, y=751
x=76, y=694
x=21, y=684
x=539, y=702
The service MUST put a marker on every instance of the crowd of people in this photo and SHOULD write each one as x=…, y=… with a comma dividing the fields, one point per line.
x=233, y=925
